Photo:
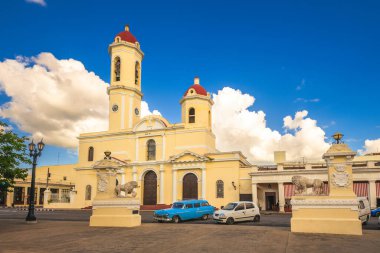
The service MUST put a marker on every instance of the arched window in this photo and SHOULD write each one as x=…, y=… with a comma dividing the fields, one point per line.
x=151, y=148
x=117, y=69
x=88, y=192
x=91, y=154
x=192, y=115
x=137, y=73
x=219, y=189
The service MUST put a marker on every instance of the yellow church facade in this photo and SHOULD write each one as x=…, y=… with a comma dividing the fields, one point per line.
x=170, y=162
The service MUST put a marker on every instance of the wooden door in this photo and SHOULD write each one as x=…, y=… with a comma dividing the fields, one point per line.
x=150, y=188
x=190, y=187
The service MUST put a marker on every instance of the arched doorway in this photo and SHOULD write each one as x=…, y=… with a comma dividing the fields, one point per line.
x=150, y=188
x=190, y=186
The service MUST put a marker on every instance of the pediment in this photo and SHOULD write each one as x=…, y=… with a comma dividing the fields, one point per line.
x=112, y=163
x=151, y=122
x=188, y=156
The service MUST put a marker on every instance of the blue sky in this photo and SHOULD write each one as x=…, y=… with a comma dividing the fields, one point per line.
x=321, y=56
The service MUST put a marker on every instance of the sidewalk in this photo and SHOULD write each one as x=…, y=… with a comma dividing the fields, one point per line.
x=63, y=236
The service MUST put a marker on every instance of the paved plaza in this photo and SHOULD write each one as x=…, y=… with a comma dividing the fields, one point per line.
x=77, y=236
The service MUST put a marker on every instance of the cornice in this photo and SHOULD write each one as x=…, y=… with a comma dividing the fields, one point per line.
x=127, y=44
x=196, y=97
x=123, y=87
x=135, y=134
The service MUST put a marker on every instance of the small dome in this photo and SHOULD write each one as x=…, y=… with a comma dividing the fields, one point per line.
x=197, y=88
x=127, y=36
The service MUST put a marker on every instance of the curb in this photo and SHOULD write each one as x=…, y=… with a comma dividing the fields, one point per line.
x=36, y=209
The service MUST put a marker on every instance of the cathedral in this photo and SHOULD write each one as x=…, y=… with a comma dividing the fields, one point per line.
x=169, y=161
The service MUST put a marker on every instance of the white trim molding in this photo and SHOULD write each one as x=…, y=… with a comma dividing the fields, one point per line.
x=324, y=203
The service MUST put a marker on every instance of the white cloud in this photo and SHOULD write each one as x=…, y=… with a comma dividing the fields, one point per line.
x=59, y=99
x=145, y=110
x=55, y=99
x=371, y=146
x=301, y=85
x=39, y=2
x=238, y=128
x=313, y=100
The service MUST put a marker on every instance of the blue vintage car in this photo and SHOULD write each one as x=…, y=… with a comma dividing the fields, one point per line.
x=375, y=212
x=185, y=210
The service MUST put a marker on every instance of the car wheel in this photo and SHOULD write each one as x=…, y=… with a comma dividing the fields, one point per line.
x=230, y=221
x=159, y=221
x=377, y=214
x=176, y=219
x=257, y=218
x=204, y=217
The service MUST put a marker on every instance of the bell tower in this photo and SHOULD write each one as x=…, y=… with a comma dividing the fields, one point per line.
x=125, y=84
x=196, y=107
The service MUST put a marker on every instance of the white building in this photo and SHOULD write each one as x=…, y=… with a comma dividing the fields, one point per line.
x=272, y=187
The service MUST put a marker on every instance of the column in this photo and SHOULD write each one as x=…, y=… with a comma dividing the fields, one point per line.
x=174, y=190
x=162, y=185
x=254, y=193
x=26, y=195
x=203, y=183
x=131, y=113
x=372, y=194
x=47, y=197
x=281, y=197
x=10, y=197
x=38, y=196
x=59, y=194
x=122, y=114
x=137, y=149
x=73, y=194
x=163, y=147
x=134, y=173
x=123, y=177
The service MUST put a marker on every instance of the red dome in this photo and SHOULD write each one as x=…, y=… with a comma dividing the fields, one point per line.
x=199, y=90
x=127, y=36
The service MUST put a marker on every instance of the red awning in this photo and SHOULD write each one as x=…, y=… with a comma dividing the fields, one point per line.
x=361, y=189
x=378, y=189
x=289, y=190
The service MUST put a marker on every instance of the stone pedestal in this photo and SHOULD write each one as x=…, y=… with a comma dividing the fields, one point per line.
x=336, y=213
x=109, y=210
x=120, y=212
x=323, y=214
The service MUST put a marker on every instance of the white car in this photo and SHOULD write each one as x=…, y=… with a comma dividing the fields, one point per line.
x=237, y=211
x=364, y=210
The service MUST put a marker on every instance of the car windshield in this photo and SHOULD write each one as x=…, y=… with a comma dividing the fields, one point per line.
x=177, y=205
x=230, y=206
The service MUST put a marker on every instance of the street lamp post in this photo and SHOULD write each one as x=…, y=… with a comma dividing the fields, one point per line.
x=35, y=152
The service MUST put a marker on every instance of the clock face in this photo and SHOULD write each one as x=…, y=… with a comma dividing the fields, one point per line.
x=115, y=108
x=137, y=111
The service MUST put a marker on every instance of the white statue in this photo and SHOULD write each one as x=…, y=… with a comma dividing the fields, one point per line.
x=302, y=183
x=128, y=188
